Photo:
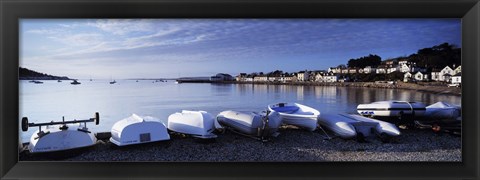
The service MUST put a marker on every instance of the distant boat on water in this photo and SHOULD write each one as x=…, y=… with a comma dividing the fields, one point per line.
x=38, y=82
x=75, y=82
x=59, y=80
x=113, y=82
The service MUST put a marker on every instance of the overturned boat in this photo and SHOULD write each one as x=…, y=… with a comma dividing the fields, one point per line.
x=349, y=126
x=137, y=130
x=442, y=116
x=395, y=111
x=60, y=135
x=199, y=124
x=251, y=123
x=443, y=111
x=297, y=115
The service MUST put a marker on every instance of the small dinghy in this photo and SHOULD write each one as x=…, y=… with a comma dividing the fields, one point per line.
x=199, y=124
x=137, y=130
x=296, y=114
x=61, y=135
x=389, y=110
x=349, y=126
x=251, y=123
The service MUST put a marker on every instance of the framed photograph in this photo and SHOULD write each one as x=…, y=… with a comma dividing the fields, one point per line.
x=221, y=89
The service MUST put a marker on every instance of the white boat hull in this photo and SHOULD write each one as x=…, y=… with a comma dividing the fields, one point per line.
x=197, y=123
x=138, y=130
x=250, y=123
x=297, y=114
x=391, y=109
x=60, y=140
x=349, y=126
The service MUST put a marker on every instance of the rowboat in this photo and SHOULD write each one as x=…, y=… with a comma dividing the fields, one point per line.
x=138, y=130
x=251, y=123
x=199, y=124
x=349, y=126
x=296, y=114
x=61, y=135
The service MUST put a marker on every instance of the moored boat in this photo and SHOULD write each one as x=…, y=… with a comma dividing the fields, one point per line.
x=251, y=123
x=138, y=130
x=199, y=124
x=296, y=114
x=350, y=126
x=75, y=82
x=60, y=136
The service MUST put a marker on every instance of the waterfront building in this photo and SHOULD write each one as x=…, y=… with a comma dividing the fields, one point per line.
x=392, y=69
x=457, y=70
x=352, y=71
x=369, y=70
x=334, y=70
x=404, y=67
x=420, y=76
x=435, y=75
x=273, y=78
x=330, y=78
x=303, y=76
x=344, y=71
x=407, y=77
x=241, y=77
x=446, y=73
x=457, y=78
x=381, y=69
x=260, y=78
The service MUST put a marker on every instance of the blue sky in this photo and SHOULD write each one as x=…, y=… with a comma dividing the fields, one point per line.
x=150, y=48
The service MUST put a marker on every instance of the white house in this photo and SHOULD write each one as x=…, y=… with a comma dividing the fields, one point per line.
x=392, y=69
x=435, y=75
x=446, y=73
x=403, y=62
x=273, y=78
x=457, y=78
x=334, y=70
x=457, y=70
x=303, y=76
x=352, y=71
x=382, y=69
x=420, y=76
x=330, y=78
x=318, y=77
x=260, y=78
x=404, y=68
x=407, y=77
x=368, y=70
x=286, y=78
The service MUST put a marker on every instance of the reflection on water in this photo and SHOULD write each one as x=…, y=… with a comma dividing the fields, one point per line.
x=52, y=100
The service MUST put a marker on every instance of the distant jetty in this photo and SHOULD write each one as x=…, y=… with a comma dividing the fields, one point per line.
x=27, y=74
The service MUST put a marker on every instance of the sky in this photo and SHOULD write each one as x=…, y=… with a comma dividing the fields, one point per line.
x=171, y=48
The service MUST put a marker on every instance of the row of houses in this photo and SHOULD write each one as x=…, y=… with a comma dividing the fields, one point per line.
x=302, y=76
x=447, y=74
x=387, y=67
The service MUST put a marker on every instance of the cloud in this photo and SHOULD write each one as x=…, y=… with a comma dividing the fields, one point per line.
x=123, y=26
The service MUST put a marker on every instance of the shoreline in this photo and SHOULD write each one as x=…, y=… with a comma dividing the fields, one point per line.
x=431, y=87
x=292, y=145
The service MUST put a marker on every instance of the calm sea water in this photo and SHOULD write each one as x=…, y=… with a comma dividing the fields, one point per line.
x=52, y=100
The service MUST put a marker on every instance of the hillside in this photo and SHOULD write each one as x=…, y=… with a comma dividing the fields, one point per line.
x=27, y=74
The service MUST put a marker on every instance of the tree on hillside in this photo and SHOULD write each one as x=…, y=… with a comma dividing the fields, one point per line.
x=437, y=56
x=370, y=60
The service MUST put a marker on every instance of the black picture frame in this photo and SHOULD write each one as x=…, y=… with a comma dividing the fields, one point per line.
x=12, y=10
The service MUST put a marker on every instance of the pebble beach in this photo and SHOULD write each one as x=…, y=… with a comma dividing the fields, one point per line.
x=292, y=145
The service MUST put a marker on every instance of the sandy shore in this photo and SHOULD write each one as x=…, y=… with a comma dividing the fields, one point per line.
x=291, y=145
